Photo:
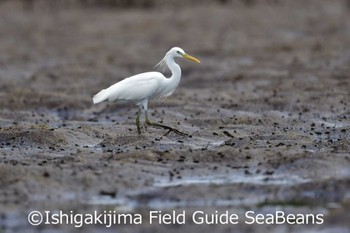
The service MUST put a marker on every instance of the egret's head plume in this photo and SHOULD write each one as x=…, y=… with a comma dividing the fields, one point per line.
x=161, y=64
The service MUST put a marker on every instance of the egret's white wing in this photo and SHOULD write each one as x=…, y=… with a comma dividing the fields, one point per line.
x=135, y=88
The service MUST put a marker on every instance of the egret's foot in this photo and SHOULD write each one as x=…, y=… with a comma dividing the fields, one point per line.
x=170, y=129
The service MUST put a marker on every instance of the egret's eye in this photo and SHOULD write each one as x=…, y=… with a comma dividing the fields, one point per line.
x=178, y=52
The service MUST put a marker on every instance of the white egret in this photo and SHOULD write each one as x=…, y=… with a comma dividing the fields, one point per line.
x=145, y=86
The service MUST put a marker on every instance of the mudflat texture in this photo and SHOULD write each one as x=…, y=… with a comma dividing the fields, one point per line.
x=267, y=111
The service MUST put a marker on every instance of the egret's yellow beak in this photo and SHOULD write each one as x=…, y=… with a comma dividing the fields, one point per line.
x=189, y=57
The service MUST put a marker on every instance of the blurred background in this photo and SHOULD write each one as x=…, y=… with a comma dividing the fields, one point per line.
x=97, y=42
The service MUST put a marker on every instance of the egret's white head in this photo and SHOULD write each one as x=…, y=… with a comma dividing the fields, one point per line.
x=179, y=52
x=175, y=52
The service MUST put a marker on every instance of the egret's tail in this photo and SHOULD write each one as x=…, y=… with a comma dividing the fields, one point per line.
x=101, y=96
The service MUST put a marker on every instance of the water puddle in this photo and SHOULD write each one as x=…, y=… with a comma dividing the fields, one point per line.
x=120, y=204
x=222, y=179
x=129, y=205
x=168, y=204
x=131, y=201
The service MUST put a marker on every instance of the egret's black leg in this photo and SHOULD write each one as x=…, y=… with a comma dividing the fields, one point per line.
x=138, y=122
x=170, y=129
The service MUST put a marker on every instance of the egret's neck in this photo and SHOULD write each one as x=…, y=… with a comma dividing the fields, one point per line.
x=174, y=68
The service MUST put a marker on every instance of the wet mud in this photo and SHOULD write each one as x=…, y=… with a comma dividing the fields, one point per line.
x=267, y=112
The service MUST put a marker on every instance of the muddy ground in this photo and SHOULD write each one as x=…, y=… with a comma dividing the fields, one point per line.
x=267, y=111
